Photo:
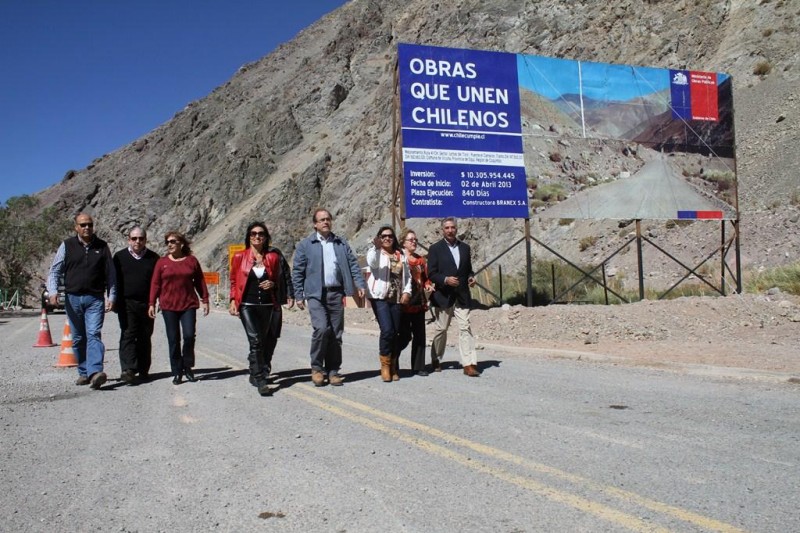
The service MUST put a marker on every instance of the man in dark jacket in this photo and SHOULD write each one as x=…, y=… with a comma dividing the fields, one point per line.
x=450, y=269
x=134, y=267
x=84, y=262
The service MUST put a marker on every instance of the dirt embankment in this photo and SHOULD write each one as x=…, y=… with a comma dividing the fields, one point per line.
x=759, y=333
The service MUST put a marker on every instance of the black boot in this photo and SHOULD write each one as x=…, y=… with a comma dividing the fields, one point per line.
x=263, y=389
x=259, y=381
x=418, y=361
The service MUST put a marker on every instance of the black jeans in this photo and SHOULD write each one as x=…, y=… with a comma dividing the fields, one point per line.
x=412, y=326
x=135, y=348
x=175, y=323
x=262, y=325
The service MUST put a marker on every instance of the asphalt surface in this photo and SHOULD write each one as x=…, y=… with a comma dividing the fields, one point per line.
x=656, y=191
x=535, y=444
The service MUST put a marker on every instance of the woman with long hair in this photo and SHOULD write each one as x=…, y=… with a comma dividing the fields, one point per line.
x=177, y=282
x=260, y=285
x=412, y=317
x=389, y=285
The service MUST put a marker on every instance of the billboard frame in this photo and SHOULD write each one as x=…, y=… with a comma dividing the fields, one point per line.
x=398, y=210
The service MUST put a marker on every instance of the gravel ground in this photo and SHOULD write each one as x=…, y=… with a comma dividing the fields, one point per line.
x=742, y=335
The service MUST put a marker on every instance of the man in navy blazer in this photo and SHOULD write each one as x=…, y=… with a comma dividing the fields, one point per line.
x=450, y=269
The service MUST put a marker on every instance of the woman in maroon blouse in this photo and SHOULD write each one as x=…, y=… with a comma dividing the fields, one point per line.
x=176, y=283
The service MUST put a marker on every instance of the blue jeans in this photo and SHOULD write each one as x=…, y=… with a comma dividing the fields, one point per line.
x=175, y=323
x=86, y=314
x=388, y=316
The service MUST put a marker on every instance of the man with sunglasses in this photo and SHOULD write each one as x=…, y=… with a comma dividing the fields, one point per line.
x=134, y=267
x=90, y=284
x=324, y=270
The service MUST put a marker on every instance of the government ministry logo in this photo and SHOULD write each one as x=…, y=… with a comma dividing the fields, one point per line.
x=680, y=79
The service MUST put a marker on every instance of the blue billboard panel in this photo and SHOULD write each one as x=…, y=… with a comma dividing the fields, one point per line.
x=462, y=90
x=462, y=143
x=445, y=188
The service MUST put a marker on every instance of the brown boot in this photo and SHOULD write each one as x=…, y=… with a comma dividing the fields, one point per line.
x=472, y=371
x=318, y=378
x=386, y=368
x=395, y=369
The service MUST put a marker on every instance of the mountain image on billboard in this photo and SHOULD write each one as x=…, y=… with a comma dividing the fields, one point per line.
x=605, y=141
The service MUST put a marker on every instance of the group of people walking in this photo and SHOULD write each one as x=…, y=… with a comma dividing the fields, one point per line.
x=402, y=284
x=132, y=283
x=135, y=282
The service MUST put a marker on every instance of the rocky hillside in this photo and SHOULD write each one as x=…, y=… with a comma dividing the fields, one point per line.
x=310, y=124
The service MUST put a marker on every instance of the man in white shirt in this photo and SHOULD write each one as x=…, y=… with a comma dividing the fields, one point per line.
x=450, y=269
x=324, y=271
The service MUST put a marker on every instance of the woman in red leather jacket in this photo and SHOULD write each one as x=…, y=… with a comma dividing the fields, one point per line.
x=260, y=284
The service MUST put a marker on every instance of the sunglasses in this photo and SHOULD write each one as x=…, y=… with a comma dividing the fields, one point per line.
x=86, y=224
x=171, y=241
x=138, y=238
x=387, y=236
x=257, y=234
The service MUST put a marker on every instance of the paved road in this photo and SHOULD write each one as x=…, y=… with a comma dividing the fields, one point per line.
x=656, y=191
x=533, y=445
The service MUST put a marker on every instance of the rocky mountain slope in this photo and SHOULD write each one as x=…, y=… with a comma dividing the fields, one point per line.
x=311, y=124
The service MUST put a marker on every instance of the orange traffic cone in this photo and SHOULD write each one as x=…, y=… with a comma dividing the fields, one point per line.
x=66, y=356
x=45, y=340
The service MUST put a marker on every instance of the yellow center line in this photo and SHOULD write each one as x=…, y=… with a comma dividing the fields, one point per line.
x=235, y=364
x=553, y=494
x=582, y=504
x=676, y=512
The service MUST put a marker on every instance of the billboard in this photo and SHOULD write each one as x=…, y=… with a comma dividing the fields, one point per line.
x=491, y=134
x=462, y=142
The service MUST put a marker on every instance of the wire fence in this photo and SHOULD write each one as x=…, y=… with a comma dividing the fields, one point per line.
x=9, y=300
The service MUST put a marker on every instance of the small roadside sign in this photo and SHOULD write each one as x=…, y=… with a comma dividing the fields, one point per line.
x=232, y=250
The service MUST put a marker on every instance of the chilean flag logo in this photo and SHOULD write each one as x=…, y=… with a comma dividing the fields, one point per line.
x=694, y=95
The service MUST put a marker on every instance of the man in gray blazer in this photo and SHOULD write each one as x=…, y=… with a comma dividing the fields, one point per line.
x=450, y=269
x=324, y=270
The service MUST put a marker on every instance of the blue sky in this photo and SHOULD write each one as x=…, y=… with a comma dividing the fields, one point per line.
x=553, y=77
x=82, y=78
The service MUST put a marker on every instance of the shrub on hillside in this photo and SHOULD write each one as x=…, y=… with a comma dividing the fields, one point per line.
x=24, y=241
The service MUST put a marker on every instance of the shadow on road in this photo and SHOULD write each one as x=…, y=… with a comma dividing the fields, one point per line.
x=287, y=378
x=225, y=372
